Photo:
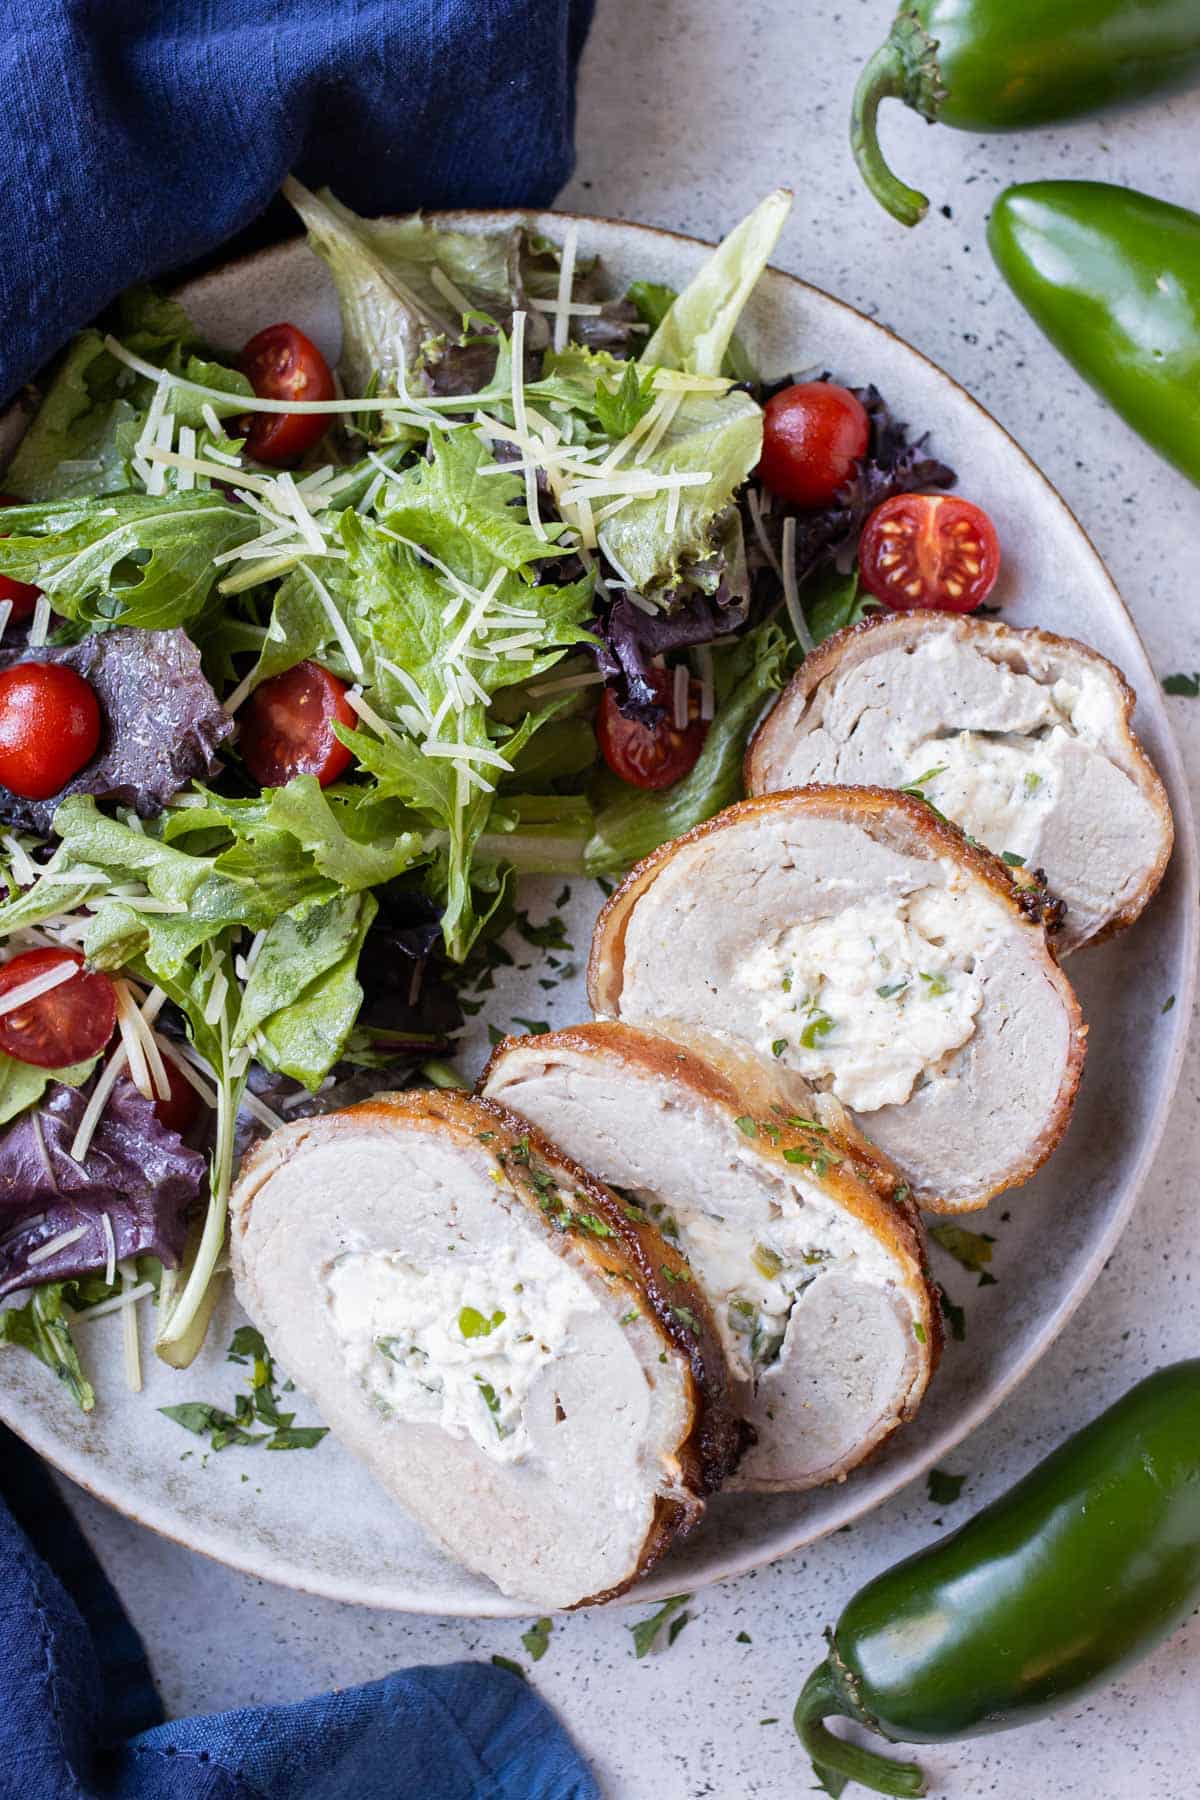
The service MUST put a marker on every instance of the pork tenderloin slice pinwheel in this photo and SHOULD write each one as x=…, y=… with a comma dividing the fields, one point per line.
x=533, y=1375
x=811, y=1258
x=857, y=943
x=1023, y=738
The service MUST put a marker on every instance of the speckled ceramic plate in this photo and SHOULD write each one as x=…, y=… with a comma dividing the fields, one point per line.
x=314, y=1519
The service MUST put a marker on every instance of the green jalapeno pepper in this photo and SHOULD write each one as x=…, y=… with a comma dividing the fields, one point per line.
x=1079, y=1570
x=998, y=65
x=1113, y=279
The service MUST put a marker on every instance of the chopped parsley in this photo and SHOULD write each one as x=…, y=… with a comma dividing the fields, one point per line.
x=686, y=1317
x=954, y=1316
x=971, y=1250
x=514, y=1668
x=944, y=1489
x=779, y=1046
x=746, y=1125
x=647, y=1630
x=743, y=1637
x=1168, y=1003
x=260, y=1407
x=1033, y=781
x=890, y=989
x=473, y=1324
x=552, y=935
x=629, y=1317
x=1012, y=859
x=1186, y=685
x=934, y=984
x=919, y=1331
x=533, y=1027
x=537, y=1639
x=818, y=1028
x=490, y=1397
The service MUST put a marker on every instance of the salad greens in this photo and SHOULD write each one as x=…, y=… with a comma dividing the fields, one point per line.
x=532, y=493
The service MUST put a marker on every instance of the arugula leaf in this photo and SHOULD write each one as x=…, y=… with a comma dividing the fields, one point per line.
x=646, y=1630
x=130, y=558
x=696, y=330
x=41, y=1327
x=632, y=823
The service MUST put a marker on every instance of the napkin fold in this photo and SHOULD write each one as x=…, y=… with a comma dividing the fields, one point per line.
x=137, y=135
x=80, y=1718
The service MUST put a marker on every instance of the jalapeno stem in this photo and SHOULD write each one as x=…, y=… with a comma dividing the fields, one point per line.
x=821, y=1695
x=903, y=68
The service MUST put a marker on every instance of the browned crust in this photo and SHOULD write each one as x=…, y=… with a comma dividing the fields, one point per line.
x=634, y=1254
x=1008, y=643
x=868, y=1187
x=890, y=816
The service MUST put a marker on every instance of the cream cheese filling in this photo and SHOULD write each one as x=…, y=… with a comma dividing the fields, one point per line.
x=869, y=1000
x=457, y=1345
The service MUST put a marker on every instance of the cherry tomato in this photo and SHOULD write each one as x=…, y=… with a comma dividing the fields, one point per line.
x=49, y=727
x=929, y=550
x=287, y=727
x=67, y=1024
x=813, y=435
x=181, y=1105
x=282, y=364
x=652, y=756
x=24, y=597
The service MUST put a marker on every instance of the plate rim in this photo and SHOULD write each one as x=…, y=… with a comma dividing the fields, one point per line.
x=1185, y=865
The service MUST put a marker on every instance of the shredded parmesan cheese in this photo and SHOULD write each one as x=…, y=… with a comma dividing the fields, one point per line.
x=566, y=282
x=129, y=1323
x=680, y=696
x=37, y=985
x=63, y=1242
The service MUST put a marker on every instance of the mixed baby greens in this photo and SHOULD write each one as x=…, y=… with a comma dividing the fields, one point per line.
x=530, y=491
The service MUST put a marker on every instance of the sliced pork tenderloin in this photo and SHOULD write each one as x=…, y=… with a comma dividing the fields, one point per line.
x=531, y=1373
x=814, y=1268
x=1022, y=738
x=855, y=942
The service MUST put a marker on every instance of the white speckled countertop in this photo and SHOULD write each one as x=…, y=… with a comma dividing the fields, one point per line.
x=689, y=110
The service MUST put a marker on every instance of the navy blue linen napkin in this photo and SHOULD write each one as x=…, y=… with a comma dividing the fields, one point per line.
x=137, y=135
x=80, y=1718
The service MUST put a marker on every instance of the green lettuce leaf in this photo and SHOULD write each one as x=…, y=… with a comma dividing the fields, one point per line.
x=696, y=330
x=302, y=999
x=630, y=824
x=716, y=434
x=21, y=1083
x=468, y=520
x=130, y=559
x=385, y=321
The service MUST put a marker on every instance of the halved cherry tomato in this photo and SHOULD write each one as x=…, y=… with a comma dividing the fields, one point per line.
x=181, y=1105
x=67, y=1024
x=280, y=363
x=813, y=435
x=929, y=550
x=652, y=756
x=287, y=727
x=23, y=595
x=49, y=727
